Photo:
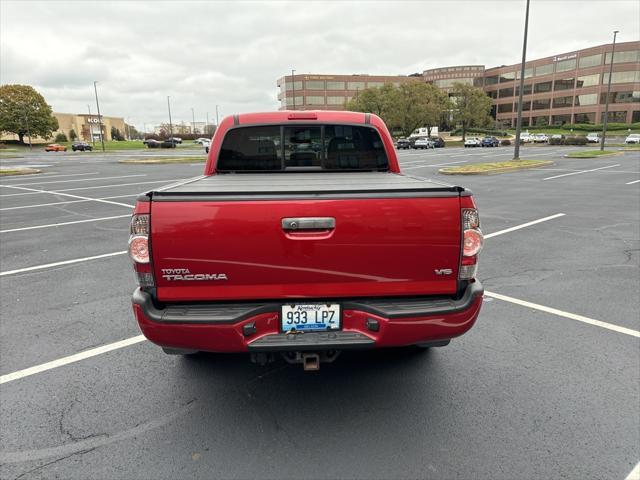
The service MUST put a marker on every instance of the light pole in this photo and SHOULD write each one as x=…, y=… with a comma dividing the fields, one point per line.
x=293, y=86
x=93, y=140
x=170, y=125
x=26, y=119
x=95, y=88
x=606, y=103
x=516, y=150
x=193, y=122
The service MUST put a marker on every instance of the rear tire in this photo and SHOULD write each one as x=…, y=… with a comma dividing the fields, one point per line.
x=427, y=345
x=179, y=351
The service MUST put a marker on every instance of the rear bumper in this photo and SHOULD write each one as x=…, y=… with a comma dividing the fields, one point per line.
x=367, y=323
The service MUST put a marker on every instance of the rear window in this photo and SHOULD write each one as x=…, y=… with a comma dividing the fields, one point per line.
x=276, y=148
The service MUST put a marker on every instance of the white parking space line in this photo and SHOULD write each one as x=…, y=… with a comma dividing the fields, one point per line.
x=58, y=264
x=139, y=338
x=47, y=175
x=77, y=180
x=67, y=202
x=581, y=171
x=57, y=192
x=635, y=473
x=524, y=225
x=33, y=190
x=61, y=224
x=561, y=313
x=43, y=367
x=631, y=183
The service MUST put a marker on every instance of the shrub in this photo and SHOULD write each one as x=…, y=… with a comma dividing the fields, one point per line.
x=72, y=135
x=481, y=131
x=505, y=143
x=575, y=141
x=61, y=137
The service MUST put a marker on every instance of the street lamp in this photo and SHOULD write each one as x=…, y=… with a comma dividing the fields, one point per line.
x=293, y=83
x=516, y=150
x=606, y=104
x=93, y=140
x=170, y=124
x=95, y=88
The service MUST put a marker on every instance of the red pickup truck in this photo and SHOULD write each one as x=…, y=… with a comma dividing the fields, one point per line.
x=304, y=238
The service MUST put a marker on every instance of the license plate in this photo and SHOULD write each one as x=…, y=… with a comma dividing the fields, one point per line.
x=310, y=317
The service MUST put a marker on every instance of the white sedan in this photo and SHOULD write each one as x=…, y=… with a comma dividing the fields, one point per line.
x=206, y=144
x=633, y=138
x=472, y=142
x=424, y=143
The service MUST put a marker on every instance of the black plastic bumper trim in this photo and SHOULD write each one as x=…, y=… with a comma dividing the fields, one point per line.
x=232, y=313
x=311, y=341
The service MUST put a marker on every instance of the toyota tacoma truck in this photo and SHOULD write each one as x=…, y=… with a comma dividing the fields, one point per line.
x=304, y=238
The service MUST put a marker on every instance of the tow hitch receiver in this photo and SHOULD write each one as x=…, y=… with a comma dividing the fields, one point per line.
x=310, y=362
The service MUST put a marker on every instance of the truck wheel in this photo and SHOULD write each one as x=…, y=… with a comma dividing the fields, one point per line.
x=178, y=351
x=427, y=345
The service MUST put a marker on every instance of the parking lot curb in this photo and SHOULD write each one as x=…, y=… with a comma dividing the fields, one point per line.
x=494, y=171
x=5, y=172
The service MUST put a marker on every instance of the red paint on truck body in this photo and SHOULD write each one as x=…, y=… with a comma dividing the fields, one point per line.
x=398, y=254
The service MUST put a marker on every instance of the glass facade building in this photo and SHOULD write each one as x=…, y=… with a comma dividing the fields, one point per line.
x=565, y=88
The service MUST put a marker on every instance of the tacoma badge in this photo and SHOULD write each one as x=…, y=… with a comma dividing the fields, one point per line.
x=185, y=274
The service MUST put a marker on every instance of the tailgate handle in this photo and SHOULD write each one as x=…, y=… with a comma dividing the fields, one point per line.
x=309, y=223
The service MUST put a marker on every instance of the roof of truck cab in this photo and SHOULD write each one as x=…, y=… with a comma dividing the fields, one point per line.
x=319, y=116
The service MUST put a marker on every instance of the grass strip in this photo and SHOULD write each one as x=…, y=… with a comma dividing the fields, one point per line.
x=18, y=171
x=590, y=154
x=489, y=168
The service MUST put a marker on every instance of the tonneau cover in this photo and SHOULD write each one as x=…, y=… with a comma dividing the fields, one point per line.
x=320, y=183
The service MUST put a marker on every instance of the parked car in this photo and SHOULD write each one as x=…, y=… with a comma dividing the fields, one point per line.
x=540, y=138
x=201, y=140
x=151, y=143
x=633, y=138
x=557, y=136
x=204, y=286
x=206, y=144
x=490, y=142
x=82, y=146
x=54, y=147
x=525, y=137
x=404, y=143
x=424, y=142
x=472, y=142
x=168, y=143
x=593, y=137
x=438, y=142
x=175, y=139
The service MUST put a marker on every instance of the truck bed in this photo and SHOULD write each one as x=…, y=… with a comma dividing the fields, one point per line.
x=300, y=185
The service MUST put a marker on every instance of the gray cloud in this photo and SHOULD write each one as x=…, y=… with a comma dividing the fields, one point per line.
x=231, y=53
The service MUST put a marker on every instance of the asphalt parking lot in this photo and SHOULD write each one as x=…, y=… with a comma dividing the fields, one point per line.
x=546, y=385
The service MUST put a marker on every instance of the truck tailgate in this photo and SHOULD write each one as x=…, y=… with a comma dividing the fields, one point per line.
x=216, y=241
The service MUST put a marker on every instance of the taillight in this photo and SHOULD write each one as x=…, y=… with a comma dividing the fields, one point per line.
x=139, y=249
x=472, y=241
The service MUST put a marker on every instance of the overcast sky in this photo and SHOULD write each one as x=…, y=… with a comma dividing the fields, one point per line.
x=231, y=53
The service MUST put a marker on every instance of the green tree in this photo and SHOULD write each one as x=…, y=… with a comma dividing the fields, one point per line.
x=470, y=107
x=115, y=134
x=21, y=105
x=61, y=137
x=133, y=132
x=72, y=135
x=405, y=108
